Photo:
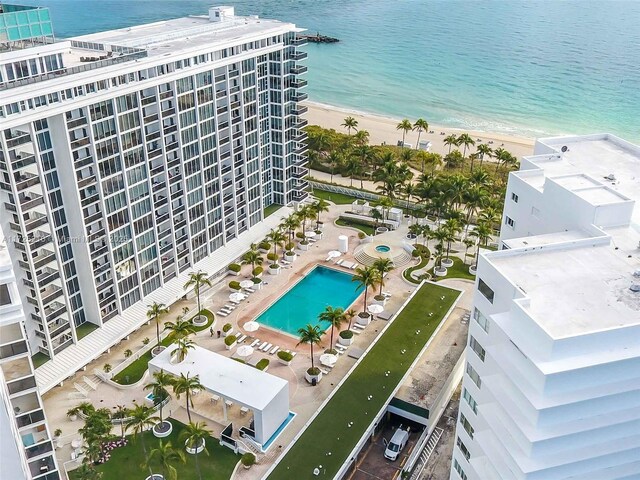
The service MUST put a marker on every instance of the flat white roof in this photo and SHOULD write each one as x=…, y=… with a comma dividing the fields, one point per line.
x=547, y=239
x=574, y=291
x=238, y=381
x=169, y=36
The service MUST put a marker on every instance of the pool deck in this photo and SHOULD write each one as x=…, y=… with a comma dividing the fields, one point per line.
x=304, y=399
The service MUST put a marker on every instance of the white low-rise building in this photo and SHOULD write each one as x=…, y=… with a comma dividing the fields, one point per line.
x=552, y=383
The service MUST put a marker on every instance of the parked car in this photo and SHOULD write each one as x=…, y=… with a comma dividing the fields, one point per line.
x=397, y=443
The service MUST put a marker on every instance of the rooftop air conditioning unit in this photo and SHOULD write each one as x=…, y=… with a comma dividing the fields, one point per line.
x=611, y=177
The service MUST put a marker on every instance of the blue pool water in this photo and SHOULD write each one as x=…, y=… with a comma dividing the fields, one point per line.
x=268, y=443
x=303, y=303
x=382, y=248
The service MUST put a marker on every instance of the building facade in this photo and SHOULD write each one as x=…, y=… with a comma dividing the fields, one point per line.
x=26, y=443
x=130, y=156
x=552, y=383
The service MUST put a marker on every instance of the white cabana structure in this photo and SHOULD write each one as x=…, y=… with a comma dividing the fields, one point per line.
x=267, y=396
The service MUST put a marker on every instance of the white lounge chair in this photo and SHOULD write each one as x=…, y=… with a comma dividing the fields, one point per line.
x=274, y=350
x=241, y=338
x=220, y=313
x=358, y=326
x=340, y=348
x=285, y=262
x=230, y=307
x=324, y=372
x=255, y=342
x=356, y=331
x=327, y=259
x=266, y=347
x=262, y=345
x=250, y=290
x=340, y=262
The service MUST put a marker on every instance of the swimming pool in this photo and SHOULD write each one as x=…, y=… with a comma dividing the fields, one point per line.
x=308, y=298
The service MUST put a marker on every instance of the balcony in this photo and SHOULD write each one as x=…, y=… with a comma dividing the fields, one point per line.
x=300, y=137
x=298, y=70
x=303, y=122
x=299, y=97
x=80, y=142
x=53, y=311
x=300, y=172
x=42, y=257
x=22, y=160
x=299, y=110
x=298, y=55
x=50, y=293
x=35, y=220
x=85, y=182
x=57, y=329
x=30, y=200
x=16, y=137
x=21, y=384
x=62, y=346
x=299, y=83
x=25, y=180
x=47, y=276
x=299, y=42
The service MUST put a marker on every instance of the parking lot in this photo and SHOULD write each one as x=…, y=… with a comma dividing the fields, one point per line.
x=373, y=465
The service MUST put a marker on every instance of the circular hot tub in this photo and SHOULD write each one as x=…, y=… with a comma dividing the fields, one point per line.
x=383, y=248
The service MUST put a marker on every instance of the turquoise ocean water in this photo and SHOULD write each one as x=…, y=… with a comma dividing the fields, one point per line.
x=519, y=66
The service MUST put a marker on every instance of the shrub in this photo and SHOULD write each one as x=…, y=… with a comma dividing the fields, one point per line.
x=299, y=235
x=264, y=246
x=318, y=232
x=257, y=271
x=379, y=298
x=128, y=353
x=274, y=266
x=313, y=371
x=286, y=356
x=234, y=285
x=239, y=360
x=346, y=334
x=290, y=246
x=57, y=432
x=415, y=253
x=230, y=340
x=107, y=367
x=248, y=459
x=234, y=267
x=226, y=327
x=262, y=364
x=304, y=242
x=332, y=351
x=146, y=341
x=256, y=280
x=361, y=235
x=289, y=253
x=272, y=256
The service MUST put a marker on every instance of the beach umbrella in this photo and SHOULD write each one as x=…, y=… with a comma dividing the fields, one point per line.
x=244, y=351
x=251, y=326
x=375, y=308
x=246, y=283
x=328, y=359
x=334, y=254
x=309, y=234
x=236, y=297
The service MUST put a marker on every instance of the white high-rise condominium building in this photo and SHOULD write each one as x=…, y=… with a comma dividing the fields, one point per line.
x=552, y=384
x=132, y=157
x=26, y=443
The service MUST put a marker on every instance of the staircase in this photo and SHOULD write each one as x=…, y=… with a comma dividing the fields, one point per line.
x=92, y=381
x=430, y=446
x=81, y=389
x=400, y=259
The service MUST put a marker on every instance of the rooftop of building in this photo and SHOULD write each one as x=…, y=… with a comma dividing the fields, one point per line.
x=602, y=168
x=574, y=290
x=169, y=36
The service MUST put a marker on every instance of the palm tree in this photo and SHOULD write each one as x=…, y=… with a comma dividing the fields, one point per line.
x=121, y=413
x=92, y=452
x=187, y=385
x=311, y=335
x=420, y=126
x=415, y=229
x=366, y=277
x=440, y=235
x=468, y=243
x=451, y=140
x=350, y=123
x=155, y=310
x=453, y=227
x=482, y=233
x=453, y=159
x=140, y=419
x=335, y=317
x=290, y=224
x=482, y=150
x=405, y=126
x=304, y=213
x=159, y=390
x=365, y=154
x=183, y=347
x=252, y=257
x=353, y=167
x=466, y=140
x=166, y=456
x=195, y=435
x=87, y=472
x=276, y=237
x=383, y=265
x=318, y=207
x=361, y=138
x=377, y=216
x=333, y=159
x=181, y=328
x=348, y=316
x=197, y=280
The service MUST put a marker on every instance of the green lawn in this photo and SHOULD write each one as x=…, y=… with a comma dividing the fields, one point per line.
x=271, y=209
x=367, y=229
x=337, y=198
x=39, y=359
x=85, y=329
x=329, y=431
x=135, y=371
x=458, y=270
x=423, y=262
x=125, y=461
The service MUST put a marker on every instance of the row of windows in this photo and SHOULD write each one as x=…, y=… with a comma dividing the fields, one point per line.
x=476, y=347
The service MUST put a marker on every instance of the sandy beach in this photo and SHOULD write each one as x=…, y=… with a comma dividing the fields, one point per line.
x=383, y=129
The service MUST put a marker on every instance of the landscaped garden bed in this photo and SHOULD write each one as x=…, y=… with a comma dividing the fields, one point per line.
x=134, y=372
x=457, y=270
x=350, y=411
x=125, y=461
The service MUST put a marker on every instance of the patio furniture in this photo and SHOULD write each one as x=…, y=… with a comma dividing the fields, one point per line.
x=358, y=326
x=284, y=262
x=249, y=289
x=220, y=313
x=228, y=403
x=386, y=294
x=274, y=350
x=255, y=342
x=262, y=345
x=339, y=348
x=215, y=399
x=230, y=307
x=356, y=331
x=241, y=338
x=244, y=411
x=324, y=372
x=340, y=262
x=266, y=347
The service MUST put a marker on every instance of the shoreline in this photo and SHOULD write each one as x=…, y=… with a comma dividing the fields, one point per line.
x=382, y=128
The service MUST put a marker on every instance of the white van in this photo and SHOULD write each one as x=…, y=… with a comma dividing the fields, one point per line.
x=397, y=443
